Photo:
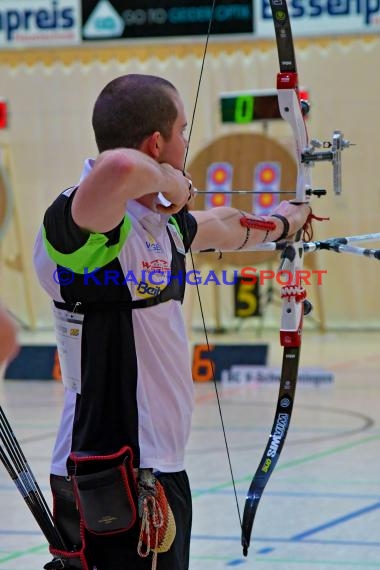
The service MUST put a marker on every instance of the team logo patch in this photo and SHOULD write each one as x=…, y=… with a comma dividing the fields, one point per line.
x=152, y=245
x=156, y=265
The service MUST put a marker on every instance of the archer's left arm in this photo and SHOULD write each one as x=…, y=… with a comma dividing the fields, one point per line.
x=222, y=229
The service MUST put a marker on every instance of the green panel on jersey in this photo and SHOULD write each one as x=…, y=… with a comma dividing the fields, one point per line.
x=93, y=254
x=174, y=223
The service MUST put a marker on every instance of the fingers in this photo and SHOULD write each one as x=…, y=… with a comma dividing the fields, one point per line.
x=296, y=213
x=182, y=195
x=192, y=193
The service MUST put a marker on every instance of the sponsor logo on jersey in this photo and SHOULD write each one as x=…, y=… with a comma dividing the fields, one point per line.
x=152, y=245
x=156, y=265
x=145, y=290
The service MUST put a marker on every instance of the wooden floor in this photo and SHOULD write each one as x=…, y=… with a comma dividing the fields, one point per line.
x=321, y=508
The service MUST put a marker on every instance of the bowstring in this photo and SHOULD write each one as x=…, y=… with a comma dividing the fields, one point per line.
x=193, y=265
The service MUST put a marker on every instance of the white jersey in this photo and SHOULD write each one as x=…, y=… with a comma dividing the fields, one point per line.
x=136, y=385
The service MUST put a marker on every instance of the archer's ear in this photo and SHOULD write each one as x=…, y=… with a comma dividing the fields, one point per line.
x=152, y=145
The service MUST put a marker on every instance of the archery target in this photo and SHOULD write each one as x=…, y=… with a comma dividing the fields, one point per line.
x=218, y=183
x=266, y=180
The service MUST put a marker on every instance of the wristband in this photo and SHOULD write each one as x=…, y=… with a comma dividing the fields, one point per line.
x=286, y=226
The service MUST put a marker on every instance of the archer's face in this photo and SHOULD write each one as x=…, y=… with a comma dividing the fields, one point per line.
x=174, y=149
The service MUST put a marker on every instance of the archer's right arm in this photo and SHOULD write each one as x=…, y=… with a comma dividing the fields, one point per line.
x=118, y=176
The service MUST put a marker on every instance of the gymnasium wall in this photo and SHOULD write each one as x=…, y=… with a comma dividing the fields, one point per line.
x=51, y=94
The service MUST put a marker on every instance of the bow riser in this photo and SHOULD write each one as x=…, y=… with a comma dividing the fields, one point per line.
x=290, y=109
x=291, y=323
x=292, y=296
x=292, y=258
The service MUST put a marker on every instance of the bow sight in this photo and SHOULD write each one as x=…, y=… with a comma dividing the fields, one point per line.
x=333, y=154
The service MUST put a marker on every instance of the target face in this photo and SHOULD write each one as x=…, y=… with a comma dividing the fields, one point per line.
x=220, y=175
x=219, y=200
x=267, y=177
x=219, y=182
x=267, y=200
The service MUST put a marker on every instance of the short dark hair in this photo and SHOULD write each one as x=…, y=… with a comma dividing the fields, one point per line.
x=132, y=107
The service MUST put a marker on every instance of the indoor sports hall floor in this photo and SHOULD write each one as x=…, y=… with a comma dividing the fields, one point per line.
x=321, y=508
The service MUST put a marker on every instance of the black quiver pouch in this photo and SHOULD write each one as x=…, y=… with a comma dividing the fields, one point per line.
x=67, y=520
x=105, y=490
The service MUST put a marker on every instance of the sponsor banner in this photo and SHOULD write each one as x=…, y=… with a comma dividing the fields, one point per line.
x=28, y=23
x=213, y=360
x=34, y=362
x=113, y=19
x=321, y=17
x=242, y=374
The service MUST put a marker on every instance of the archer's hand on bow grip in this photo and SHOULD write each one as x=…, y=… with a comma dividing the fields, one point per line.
x=297, y=215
